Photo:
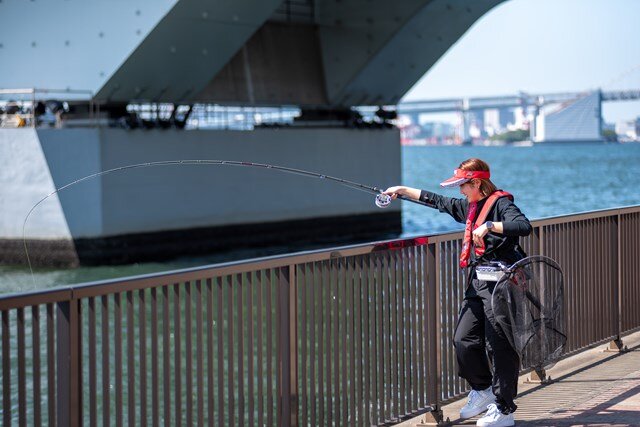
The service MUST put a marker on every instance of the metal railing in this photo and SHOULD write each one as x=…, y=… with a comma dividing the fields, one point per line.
x=25, y=102
x=357, y=335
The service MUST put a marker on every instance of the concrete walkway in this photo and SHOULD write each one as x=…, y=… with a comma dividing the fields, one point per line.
x=593, y=388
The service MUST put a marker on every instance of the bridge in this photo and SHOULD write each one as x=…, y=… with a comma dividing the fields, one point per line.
x=357, y=335
x=570, y=124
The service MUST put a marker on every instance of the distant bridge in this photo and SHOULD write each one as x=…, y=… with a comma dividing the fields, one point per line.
x=521, y=100
x=578, y=115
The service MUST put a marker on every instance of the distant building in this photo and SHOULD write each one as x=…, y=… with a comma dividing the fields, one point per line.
x=628, y=129
x=497, y=120
x=519, y=120
x=492, y=121
x=476, y=123
x=578, y=120
x=436, y=130
x=427, y=133
x=506, y=117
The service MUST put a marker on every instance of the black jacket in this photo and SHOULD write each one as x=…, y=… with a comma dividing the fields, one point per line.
x=503, y=247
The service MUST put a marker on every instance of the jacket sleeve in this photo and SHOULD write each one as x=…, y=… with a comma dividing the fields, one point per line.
x=514, y=223
x=457, y=208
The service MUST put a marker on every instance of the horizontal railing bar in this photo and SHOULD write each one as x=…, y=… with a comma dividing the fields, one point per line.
x=561, y=219
x=19, y=91
x=24, y=299
x=445, y=237
x=583, y=216
x=30, y=91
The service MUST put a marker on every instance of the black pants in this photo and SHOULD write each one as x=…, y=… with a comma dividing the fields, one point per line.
x=478, y=340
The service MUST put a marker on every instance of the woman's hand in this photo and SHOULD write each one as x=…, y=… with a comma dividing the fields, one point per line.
x=401, y=190
x=479, y=233
x=394, y=191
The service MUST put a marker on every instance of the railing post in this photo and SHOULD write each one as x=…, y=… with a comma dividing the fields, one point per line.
x=293, y=346
x=538, y=376
x=434, y=415
x=68, y=361
x=538, y=244
x=616, y=345
x=6, y=369
x=288, y=346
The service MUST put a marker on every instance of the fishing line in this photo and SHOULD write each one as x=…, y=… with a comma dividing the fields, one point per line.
x=381, y=200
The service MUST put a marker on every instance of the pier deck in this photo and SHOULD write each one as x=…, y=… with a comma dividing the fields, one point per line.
x=592, y=388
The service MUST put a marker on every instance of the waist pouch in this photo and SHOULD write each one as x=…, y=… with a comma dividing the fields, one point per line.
x=491, y=271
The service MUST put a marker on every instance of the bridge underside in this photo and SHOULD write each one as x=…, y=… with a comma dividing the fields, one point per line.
x=327, y=54
x=268, y=52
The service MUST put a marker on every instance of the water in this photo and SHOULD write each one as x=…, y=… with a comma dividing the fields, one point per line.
x=547, y=180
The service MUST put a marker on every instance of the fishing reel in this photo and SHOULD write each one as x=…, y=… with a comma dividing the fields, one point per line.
x=383, y=200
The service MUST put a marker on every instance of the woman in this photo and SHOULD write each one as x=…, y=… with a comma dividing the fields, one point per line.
x=493, y=225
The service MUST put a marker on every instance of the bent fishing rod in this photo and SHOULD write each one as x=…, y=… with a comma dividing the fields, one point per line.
x=381, y=200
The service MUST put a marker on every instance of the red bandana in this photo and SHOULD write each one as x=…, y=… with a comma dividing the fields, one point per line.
x=468, y=229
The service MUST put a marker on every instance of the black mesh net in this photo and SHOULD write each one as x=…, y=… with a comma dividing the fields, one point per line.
x=528, y=304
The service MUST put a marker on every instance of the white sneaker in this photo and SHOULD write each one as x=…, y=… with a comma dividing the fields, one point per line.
x=477, y=403
x=495, y=418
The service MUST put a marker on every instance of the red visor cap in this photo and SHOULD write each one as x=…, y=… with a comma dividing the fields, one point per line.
x=461, y=176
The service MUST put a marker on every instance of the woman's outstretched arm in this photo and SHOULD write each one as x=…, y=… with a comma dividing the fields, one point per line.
x=457, y=208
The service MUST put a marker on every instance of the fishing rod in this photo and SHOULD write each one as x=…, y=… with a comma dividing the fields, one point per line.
x=381, y=200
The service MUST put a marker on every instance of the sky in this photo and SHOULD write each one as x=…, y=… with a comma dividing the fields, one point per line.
x=544, y=46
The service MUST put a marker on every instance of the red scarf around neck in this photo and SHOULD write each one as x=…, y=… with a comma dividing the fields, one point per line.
x=465, y=254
